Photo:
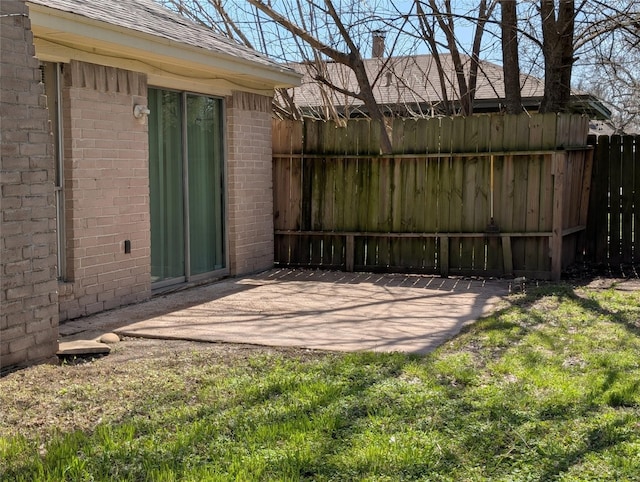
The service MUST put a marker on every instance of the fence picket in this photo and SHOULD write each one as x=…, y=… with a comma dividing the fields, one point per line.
x=398, y=139
x=310, y=137
x=519, y=214
x=352, y=180
x=469, y=209
x=597, y=225
x=627, y=199
x=470, y=248
x=396, y=213
x=494, y=248
x=446, y=134
x=636, y=199
x=317, y=193
x=431, y=128
x=328, y=195
x=384, y=214
x=550, y=131
x=521, y=135
x=532, y=218
x=535, y=130
x=281, y=181
x=496, y=139
x=615, y=184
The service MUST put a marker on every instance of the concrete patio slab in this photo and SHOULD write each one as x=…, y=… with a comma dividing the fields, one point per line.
x=309, y=309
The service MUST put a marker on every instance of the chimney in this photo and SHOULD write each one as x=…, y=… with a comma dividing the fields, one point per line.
x=377, y=51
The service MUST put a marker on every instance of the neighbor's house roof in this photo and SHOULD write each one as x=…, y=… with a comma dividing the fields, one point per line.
x=142, y=36
x=410, y=85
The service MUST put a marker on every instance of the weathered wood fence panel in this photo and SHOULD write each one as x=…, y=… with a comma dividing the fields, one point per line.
x=487, y=195
x=613, y=230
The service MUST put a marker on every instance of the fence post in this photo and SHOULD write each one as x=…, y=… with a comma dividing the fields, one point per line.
x=444, y=256
x=350, y=252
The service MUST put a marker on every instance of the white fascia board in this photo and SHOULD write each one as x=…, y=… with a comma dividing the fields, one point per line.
x=50, y=24
x=159, y=76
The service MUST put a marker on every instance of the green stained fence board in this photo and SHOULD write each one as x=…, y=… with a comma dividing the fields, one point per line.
x=347, y=187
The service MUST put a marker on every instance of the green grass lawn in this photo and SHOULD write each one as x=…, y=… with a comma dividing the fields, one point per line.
x=546, y=389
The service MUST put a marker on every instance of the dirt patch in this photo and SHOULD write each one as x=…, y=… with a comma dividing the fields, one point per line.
x=82, y=392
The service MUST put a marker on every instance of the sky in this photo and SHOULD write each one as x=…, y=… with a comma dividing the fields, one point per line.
x=369, y=18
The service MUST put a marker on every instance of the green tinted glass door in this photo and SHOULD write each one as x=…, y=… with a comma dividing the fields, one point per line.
x=187, y=227
x=166, y=185
x=204, y=147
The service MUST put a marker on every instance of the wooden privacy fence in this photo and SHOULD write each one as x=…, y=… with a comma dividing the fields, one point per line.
x=487, y=195
x=613, y=230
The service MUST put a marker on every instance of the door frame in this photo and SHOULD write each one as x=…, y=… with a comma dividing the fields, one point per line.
x=188, y=278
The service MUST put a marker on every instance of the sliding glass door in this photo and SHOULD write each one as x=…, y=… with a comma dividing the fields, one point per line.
x=204, y=137
x=186, y=186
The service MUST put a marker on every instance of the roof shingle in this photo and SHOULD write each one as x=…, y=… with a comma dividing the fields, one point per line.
x=410, y=79
x=149, y=17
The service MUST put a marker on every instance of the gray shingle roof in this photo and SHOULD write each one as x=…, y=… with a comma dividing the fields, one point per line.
x=412, y=83
x=409, y=80
x=149, y=17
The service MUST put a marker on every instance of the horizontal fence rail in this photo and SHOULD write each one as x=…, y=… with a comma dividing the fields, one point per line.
x=488, y=195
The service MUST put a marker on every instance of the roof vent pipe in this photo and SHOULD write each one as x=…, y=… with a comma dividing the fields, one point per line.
x=377, y=51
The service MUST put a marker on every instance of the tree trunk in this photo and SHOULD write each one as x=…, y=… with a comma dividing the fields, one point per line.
x=368, y=97
x=429, y=37
x=467, y=89
x=510, y=57
x=557, y=48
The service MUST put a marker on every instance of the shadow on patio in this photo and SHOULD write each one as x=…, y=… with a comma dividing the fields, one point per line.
x=309, y=309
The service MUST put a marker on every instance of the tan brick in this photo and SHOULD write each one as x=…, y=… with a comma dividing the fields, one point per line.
x=106, y=294
x=40, y=325
x=32, y=176
x=11, y=359
x=112, y=303
x=14, y=332
x=93, y=308
x=44, y=351
x=19, y=292
x=50, y=312
x=22, y=343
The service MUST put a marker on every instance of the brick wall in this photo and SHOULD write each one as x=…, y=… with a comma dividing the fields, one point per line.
x=28, y=297
x=106, y=190
x=250, y=183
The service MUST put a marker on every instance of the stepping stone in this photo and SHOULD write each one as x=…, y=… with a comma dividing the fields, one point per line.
x=82, y=347
x=109, y=338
